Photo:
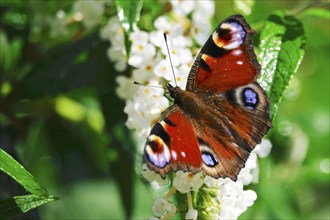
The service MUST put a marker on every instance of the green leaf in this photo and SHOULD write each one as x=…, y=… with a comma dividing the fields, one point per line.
x=15, y=170
x=10, y=53
x=129, y=14
x=281, y=51
x=4, y=52
x=317, y=12
x=21, y=204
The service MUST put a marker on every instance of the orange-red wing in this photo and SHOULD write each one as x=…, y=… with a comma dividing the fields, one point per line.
x=172, y=144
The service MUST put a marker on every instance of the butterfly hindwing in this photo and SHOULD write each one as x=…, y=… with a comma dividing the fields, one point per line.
x=238, y=122
x=227, y=60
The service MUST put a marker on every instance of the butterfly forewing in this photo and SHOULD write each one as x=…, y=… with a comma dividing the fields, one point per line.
x=227, y=60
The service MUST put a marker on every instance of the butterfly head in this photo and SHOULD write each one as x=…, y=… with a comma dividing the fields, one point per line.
x=174, y=91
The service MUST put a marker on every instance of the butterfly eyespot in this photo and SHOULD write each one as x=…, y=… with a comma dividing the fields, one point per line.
x=223, y=32
x=250, y=98
x=209, y=159
x=157, y=152
x=229, y=35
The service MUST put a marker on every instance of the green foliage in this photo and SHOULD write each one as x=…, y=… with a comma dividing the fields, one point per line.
x=10, y=52
x=16, y=171
x=21, y=204
x=317, y=12
x=281, y=51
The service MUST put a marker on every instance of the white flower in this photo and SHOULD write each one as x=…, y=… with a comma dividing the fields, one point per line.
x=249, y=196
x=233, y=199
x=162, y=207
x=154, y=178
x=142, y=51
x=126, y=89
x=263, y=149
x=119, y=57
x=139, y=36
x=145, y=108
x=191, y=214
x=114, y=33
x=186, y=181
x=181, y=75
x=58, y=27
x=204, y=10
x=183, y=7
x=156, y=38
x=179, y=53
x=180, y=41
x=140, y=118
x=200, y=31
x=211, y=182
x=164, y=25
x=90, y=12
x=144, y=73
x=141, y=54
x=228, y=214
x=201, y=27
x=163, y=69
x=250, y=173
x=230, y=188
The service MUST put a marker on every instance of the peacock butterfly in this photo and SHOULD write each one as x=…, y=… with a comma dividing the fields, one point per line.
x=222, y=115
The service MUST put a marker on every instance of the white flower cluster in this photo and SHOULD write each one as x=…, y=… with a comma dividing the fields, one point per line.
x=148, y=57
x=88, y=13
x=231, y=199
x=114, y=33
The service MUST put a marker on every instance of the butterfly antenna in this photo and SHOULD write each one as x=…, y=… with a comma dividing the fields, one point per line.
x=142, y=84
x=169, y=55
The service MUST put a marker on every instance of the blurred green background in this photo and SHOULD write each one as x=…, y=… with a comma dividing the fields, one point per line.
x=61, y=118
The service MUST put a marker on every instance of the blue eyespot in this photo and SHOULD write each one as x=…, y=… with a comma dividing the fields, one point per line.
x=209, y=159
x=250, y=98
